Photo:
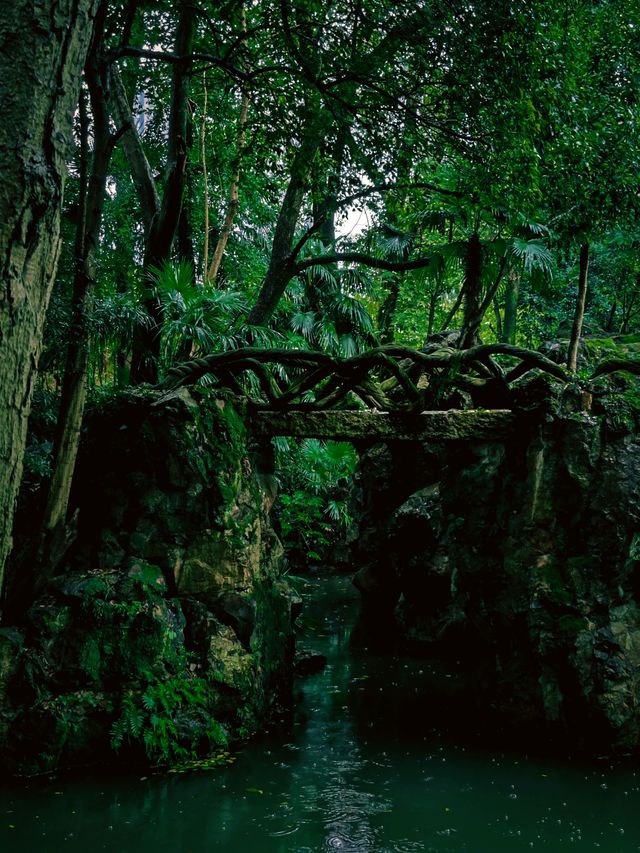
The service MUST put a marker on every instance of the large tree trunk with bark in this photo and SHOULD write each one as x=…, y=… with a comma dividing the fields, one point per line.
x=92, y=195
x=44, y=49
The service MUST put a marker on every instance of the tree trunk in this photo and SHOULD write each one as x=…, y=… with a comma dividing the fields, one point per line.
x=498, y=318
x=74, y=387
x=472, y=291
x=474, y=307
x=431, y=317
x=281, y=270
x=609, y=327
x=205, y=178
x=629, y=302
x=387, y=311
x=161, y=233
x=234, y=196
x=578, y=318
x=511, y=298
x=141, y=173
x=44, y=49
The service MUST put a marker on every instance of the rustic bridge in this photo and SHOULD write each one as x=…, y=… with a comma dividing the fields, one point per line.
x=437, y=393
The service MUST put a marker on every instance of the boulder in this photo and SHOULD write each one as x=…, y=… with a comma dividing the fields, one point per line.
x=168, y=630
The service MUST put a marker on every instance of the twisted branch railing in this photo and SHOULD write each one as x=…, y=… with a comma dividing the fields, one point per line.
x=387, y=378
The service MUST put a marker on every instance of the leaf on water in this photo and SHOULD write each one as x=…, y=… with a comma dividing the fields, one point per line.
x=211, y=762
x=288, y=831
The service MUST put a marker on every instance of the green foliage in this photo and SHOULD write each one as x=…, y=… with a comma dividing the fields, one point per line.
x=196, y=320
x=37, y=460
x=312, y=504
x=328, y=308
x=504, y=136
x=39, y=449
x=303, y=524
x=160, y=718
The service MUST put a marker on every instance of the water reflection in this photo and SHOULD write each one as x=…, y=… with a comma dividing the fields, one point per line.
x=364, y=769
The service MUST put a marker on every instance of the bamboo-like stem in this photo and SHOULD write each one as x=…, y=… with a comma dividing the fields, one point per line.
x=203, y=149
x=234, y=187
x=578, y=319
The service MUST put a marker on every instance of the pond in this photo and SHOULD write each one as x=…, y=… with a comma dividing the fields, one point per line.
x=362, y=769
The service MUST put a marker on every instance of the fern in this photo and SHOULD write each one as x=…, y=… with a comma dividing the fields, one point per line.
x=151, y=717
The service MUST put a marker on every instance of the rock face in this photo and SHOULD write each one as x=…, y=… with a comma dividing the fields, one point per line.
x=169, y=631
x=518, y=562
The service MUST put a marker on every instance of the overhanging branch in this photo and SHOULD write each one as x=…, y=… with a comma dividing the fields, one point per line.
x=360, y=258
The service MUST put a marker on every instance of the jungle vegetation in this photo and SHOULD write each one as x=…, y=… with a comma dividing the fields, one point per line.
x=182, y=178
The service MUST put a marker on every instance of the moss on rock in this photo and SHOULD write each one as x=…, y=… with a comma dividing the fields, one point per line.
x=168, y=632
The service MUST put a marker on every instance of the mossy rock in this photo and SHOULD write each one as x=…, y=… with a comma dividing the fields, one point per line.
x=122, y=653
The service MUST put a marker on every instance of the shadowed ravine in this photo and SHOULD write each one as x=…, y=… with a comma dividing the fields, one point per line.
x=362, y=769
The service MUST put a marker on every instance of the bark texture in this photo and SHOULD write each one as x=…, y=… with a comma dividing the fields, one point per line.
x=92, y=196
x=42, y=52
x=511, y=298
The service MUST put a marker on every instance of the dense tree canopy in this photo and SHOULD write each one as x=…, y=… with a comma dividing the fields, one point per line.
x=222, y=151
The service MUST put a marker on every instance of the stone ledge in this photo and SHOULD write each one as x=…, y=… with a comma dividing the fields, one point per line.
x=450, y=425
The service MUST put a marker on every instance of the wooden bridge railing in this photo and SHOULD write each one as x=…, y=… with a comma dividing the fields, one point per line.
x=386, y=379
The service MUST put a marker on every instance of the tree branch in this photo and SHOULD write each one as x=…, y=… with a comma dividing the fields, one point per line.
x=176, y=58
x=365, y=260
x=347, y=200
x=140, y=169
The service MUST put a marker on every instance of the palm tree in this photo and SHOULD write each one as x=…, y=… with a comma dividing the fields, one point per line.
x=326, y=308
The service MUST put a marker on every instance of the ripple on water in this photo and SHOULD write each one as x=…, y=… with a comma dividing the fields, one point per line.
x=347, y=812
x=362, y=841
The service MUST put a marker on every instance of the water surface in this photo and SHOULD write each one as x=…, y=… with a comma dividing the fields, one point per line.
x=362, y=770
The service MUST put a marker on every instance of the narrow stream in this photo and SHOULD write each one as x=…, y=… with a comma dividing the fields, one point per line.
x=361, y=771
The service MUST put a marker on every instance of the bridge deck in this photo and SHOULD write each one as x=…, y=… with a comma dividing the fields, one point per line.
x=450, y=425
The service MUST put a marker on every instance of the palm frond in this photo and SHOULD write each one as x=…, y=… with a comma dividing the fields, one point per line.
x=348, y=308
x=115, y=317
x=348, y=345
x=393, y=243
x=303, y=323
x=322, y=274
x=534, y=254
x=229, y=302
x=261, y=336
x=174, y=276
x=325, y=332
x=356, y=280
x=432, y=220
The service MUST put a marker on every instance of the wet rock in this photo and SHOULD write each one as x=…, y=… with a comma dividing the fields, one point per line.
x=308, y=661
x=520, y=559
x=170, y=615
